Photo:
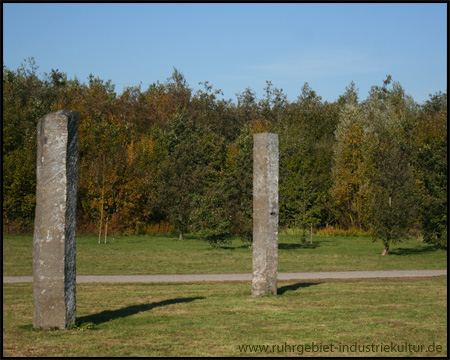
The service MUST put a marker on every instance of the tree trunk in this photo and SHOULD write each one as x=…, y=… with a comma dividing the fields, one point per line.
x=100, y=229
x=101, y=219
x=101, y=204
x=181, y=236
x=106, y=230
x=386, y=247
x=386, y=244
x=311, y=233
x=304, y=236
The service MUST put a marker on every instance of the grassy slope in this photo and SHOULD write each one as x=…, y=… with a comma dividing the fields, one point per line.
x=213, y=319
x=168, y=255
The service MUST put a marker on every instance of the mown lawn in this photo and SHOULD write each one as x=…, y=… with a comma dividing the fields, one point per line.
x=168, y=255
x=220, y=319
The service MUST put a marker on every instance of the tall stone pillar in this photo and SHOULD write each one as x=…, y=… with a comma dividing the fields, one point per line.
x=54, y=227
x=265, y=214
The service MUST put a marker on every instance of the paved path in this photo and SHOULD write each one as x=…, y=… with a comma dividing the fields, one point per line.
x=238, y=277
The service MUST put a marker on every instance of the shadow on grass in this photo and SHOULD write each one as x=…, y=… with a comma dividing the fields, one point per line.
x=282, y=290
x=231, y=247
x=109, y=315
x=412, y=251
x=281, y=246
x=298, y=246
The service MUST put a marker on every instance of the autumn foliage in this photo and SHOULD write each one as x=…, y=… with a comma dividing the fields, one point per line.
x=171, y=159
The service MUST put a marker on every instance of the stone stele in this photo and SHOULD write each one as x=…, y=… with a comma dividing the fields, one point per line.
x=265, y=214
x=54, y=228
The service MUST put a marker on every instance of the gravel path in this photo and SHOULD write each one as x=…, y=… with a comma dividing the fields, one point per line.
x=238, y=277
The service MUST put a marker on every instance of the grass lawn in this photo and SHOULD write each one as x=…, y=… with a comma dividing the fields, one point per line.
x=219, y=319
x=168, y=255
x=385, y=317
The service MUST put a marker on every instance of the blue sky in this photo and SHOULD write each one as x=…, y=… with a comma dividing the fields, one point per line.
x=235, y=46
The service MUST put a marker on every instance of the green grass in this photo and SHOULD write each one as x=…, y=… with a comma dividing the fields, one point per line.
x=214, y=319
x=168, y=255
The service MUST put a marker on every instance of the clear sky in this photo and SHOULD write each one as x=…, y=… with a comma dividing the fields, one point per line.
x=235, y=46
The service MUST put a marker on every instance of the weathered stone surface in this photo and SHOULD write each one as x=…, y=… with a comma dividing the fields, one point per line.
x=265, y=214
x=54, y=229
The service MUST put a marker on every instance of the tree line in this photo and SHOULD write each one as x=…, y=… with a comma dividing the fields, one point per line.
x=168, y=157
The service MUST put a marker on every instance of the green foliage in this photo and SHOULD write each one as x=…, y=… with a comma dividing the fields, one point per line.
x=238, y=184
x=393, y=196
x=26, y=99
x=349, y=172
x=350, y=232
x=306, y=143
x=433, y=160
x=209, y=219
x=432, y=164
x=393, y=189
x=350, y=96
x=192, y=162
x=169, y=155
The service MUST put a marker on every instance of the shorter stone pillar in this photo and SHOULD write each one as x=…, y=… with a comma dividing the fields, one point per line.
x=54, y=227
x=265, y=214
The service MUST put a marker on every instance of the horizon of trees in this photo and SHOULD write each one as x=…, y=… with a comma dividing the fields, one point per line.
x=169, y=157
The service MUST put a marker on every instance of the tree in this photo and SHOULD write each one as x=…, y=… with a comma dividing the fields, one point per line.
x=169, y=155
x=190, y=160
x=306, y=140
x=393, y=187
x=393, y=194
x=237, y=182
x=273, y=104
x=23, y=106
x=350, y=96
x=210, y=219
x=430, y=144
x=298, y=186
x=349, y=172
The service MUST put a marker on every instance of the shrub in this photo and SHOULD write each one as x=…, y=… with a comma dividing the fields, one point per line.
x=336, y=231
